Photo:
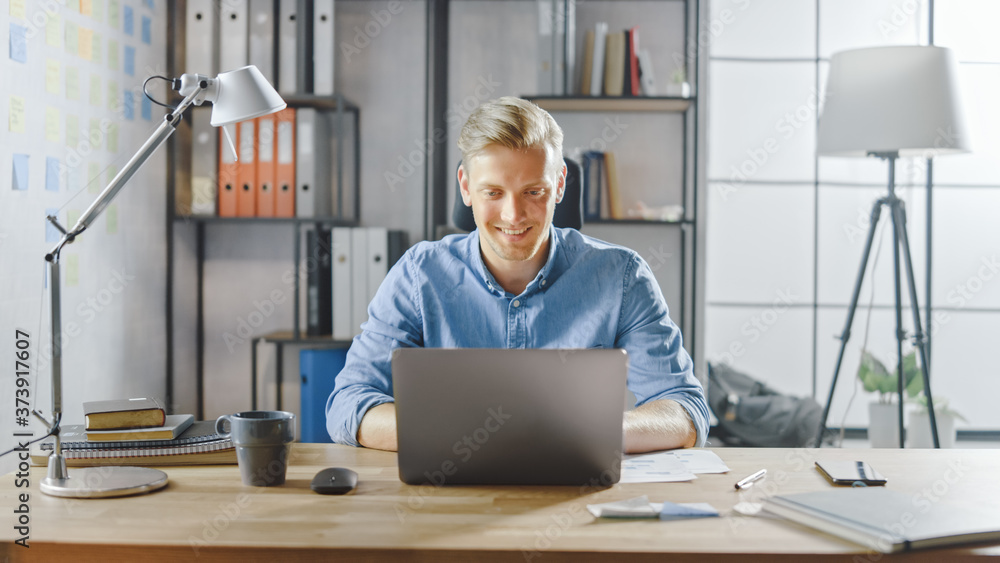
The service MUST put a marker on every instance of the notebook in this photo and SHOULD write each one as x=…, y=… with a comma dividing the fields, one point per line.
x=198, y=445
x=889, y=521
x=505, y=417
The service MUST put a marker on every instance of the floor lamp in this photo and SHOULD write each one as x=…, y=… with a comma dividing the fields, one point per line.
x=889, y=102
x=237, y=95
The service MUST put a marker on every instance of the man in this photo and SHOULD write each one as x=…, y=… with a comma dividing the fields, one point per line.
x=518, y=282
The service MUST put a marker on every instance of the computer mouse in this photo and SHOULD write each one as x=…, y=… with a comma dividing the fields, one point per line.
x=334, y=481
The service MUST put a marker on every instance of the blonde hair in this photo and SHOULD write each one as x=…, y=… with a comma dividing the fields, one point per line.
x=513, y=123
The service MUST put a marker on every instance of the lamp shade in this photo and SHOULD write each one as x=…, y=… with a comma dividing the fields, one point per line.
x=901, y=99
x=243, y=94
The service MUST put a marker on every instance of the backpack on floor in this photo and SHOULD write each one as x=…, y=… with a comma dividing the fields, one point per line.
x=752, y=414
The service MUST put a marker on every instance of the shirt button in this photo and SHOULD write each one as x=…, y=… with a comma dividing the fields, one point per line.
x=543, y=283
x=516, y=303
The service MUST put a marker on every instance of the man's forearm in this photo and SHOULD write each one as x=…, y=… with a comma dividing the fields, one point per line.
x=378, y=428
x=658, y=425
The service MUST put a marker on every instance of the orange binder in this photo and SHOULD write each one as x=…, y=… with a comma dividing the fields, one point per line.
x=265, y=165
x=227, y=173
x=284, y=184
x=246, y=170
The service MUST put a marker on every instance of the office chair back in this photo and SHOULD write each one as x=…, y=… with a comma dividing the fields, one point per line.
x=568, y=214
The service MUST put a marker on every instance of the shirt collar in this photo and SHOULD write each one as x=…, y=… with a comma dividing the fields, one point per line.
x=542, y=281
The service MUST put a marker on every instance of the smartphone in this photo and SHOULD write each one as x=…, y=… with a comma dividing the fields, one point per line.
x=850, y=472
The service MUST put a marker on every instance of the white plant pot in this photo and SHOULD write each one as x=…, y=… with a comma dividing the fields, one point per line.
x=918, y=430
x=883, y=425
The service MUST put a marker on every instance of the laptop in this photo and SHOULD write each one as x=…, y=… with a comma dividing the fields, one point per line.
x=478, y=416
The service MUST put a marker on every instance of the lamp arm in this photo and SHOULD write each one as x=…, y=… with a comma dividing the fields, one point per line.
x=57, y=463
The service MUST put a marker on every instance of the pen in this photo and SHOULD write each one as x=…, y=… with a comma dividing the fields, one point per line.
x=748, y=481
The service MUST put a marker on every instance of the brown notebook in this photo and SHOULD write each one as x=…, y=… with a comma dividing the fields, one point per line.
x=124, y=413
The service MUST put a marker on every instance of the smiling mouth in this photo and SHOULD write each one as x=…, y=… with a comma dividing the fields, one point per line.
x=512, y=231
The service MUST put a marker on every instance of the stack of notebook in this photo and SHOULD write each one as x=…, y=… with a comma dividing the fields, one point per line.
x=138, y=432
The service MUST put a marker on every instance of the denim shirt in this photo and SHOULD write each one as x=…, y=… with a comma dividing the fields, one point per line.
x=589, y=294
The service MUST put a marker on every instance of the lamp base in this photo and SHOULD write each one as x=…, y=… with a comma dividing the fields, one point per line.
x=105, y=482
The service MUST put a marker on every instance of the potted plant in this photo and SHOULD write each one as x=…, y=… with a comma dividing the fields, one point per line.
x=883, y=415
x=678, y=85
x=918, y=428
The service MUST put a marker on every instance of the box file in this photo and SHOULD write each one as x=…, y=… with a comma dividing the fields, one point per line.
x=202, y=44
x=319, y=319
x=359, y=279
x=233, y=30
x=284, y=183
x=261, y=35
x=312, y=170
x=246, y=169
x=324, y=47
x=319, y=369
x=204, y=162
x=228, y=175
x=287, y=48
x=341, y=286
x=266, y=172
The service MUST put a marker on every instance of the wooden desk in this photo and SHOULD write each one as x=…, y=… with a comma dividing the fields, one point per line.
x=206, y=512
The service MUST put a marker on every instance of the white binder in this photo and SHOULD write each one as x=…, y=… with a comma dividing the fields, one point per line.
x=261, y=33
x=359, y=279
x=204, y=161
x=287, y=50
x=313, y=186
x=597, y=70
x=378, y=260
x=233, y=29
x=342, y=277
x=324, y=47
x=201, y=46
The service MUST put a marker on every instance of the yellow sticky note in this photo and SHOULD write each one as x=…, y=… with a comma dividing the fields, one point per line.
x=112, y=54
x=72, y=268
x=97, y=11
x=72, y=83
x=15, y=122
x=113, y=102
x=53, y=37
x=72, y=131
x=113, y=20
x=95, y=90
x=86, y=7
x=94, y=135
x=85, y=38
x=52, y=120
x=72, y=38
x=112, y=137
x=18, y=8
x=111, y=218
x=94, y=178
x=52, y=76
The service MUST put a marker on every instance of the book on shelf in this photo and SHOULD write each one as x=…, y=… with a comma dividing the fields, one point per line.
x=614, y=64
x=198, y=445
x=632, y=68
x=174, y=425
x=588, y=62
x=888, y=521
x=614, y=205
x=597, y=62
x=124, y=413
x=593, y=174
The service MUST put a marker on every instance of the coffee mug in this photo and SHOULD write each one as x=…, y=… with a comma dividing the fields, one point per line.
x=262, y=440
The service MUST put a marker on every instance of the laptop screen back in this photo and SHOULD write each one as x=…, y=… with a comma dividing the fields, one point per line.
x=499, y=417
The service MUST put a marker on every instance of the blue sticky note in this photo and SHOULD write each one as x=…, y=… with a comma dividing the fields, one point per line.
x=673, y=511
x=51, y=174
x=149, y=4
x=147, y=30
x=52, y=234
x=19, y=173
x=128, y=19
x=18, y=43
x=128, y=102
x=147, y=109
x=130, y=60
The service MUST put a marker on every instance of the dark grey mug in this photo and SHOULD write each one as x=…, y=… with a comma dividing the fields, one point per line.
x=262, y=440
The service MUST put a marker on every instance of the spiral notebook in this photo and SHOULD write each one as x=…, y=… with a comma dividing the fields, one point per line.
x=198, y=445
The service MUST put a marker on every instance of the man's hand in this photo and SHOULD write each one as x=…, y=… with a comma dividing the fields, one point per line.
x=378, y=428
x=658, y=425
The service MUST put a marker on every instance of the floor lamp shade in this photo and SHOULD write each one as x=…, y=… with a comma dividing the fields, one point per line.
x=901, y=99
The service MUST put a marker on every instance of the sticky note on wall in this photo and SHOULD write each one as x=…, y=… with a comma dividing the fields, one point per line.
x=52, y=119
x=18, y=8
x=53, y=30
x=19, y=172
x=113, y=14
x=72, y=83
x=15, y=118
x=128, y=23
x=51, y=76
x=51, y=174
x=51, y=232
x=18, y=43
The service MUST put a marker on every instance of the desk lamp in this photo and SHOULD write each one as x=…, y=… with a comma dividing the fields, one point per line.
x=888, y=102
x=237, y=95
